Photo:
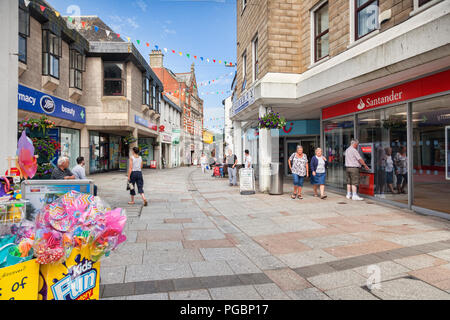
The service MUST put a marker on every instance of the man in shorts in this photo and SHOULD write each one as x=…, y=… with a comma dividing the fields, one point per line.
x=353, y=161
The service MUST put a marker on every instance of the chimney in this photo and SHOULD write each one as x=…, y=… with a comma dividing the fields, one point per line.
x=156, y=59
x=192, y=67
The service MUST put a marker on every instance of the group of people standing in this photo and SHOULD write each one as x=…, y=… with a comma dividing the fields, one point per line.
x=299, y=166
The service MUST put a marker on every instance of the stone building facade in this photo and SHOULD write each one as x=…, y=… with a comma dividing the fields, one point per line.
x=313, y=59
x=181, y=88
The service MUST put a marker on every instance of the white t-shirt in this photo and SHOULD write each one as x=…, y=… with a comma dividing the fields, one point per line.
x=248, y=161
x=321, y=165
x=389, y=164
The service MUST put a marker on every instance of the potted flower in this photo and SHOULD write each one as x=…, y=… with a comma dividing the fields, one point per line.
x=44, y=171
x=37, y=127
x=272, y=120
x=129, y=139
x=45, y=148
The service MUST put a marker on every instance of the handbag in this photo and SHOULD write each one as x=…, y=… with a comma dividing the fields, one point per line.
x=130, y=186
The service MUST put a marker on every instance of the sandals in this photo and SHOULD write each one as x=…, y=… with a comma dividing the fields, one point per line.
x=293, y=196
x=145, y=203
x=130, y=202
x=300, y=196
x=323, y=197
x=316, y=195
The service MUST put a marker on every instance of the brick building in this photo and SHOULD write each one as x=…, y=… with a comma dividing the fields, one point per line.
x=347, y=69
x=181, y=88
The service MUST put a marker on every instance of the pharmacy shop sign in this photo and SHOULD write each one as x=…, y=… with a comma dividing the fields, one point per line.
x=40, y=102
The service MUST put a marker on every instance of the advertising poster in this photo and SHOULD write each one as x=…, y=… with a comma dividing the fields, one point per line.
x=75, y=279
x=20, y=281
x=40, y=194
x=246, y=181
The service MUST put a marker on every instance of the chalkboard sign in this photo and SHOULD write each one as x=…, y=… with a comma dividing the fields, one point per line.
x=246, y=181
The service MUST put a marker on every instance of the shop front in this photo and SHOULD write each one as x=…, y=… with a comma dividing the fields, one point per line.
x=106, y=152
x=404, y=139
x=69, y=119
x=146, y=146
x=175, y=148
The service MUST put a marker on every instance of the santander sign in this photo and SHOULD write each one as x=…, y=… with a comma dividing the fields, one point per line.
x=373, y=102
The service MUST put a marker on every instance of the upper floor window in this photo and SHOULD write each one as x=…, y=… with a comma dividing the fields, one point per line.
x=255, y=58
x=51, y=53
x=321, y=29
x=366, y=17
x=153, y=97
x=113, y=82
x=158, y=100
x=244, y=69
x=76, y=69
x=145, y=90
x=422, y=2
x=244, y=3
x=24, y=33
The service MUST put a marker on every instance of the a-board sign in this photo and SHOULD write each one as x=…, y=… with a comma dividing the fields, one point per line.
x=247, y=181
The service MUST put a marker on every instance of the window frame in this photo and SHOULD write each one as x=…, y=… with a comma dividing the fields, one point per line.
x=314, y=36
x=145, y=90
x=48, y=45
x=24, y=36
x=255, y=59
x=122, y=79
x=356, y=10
x=76, y=67
x=421, y=3
x=244, y=69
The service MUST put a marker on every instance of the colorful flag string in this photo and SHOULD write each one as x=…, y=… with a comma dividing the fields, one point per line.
x=89, y=26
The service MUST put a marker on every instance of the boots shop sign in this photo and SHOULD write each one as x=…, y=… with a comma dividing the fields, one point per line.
x=410, y=90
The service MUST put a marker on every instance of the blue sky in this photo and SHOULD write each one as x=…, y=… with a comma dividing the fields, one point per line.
x=199, y=27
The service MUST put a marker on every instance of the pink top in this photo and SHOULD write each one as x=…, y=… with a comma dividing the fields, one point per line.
x=351, y=157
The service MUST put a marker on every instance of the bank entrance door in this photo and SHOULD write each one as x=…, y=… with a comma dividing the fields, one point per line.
x=309, y=145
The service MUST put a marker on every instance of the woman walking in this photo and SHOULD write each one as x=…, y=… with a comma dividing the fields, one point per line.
x=135, y=175
x=318, y=171
x=401, y=165
x=298, y=163
x=389, y=169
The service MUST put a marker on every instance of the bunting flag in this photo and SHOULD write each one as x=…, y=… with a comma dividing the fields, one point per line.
x=86, y=25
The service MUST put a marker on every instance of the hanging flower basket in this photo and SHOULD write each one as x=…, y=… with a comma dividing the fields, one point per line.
x=37, y=127
x=272, y=120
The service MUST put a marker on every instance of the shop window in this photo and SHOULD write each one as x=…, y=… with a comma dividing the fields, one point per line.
x=51, y=53
x=382, y=139
x=366, y=17
x=158, y=100
x=431, y=152
x=70, y=145
x=145, y=90
x=320, y=26
x=113, y=82
x=255, y=58
x=154, y=97
x=338, y=134
x=77, y=61
x=24, y=33
x=422, y=2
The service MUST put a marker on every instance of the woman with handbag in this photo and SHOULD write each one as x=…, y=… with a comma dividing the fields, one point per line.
x=135, y=176
x=318, y=170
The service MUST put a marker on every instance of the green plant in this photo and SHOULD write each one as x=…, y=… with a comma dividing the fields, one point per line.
x=44, y=169
x=129, y=139
x=43, y=123
x=272, y=120
x=45, y=147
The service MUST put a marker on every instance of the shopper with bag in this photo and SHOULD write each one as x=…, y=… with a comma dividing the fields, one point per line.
x=318, y=171
x=135, y=176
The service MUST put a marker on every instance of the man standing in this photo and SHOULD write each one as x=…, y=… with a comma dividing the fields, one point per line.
x=80, y=172
x=231, y=161
x=61, y=172
x=247, y=159
x=353, y=161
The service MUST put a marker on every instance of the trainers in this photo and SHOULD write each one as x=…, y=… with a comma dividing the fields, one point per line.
x=348, y=196
x=356, y=197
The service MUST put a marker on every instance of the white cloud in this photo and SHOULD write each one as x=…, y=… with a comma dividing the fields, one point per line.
x=141, y=4
x=132, y=22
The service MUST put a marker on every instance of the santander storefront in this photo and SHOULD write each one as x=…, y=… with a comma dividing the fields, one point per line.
x=404, y=134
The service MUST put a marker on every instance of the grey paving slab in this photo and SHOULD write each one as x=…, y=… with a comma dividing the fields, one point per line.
x=164, y=245
x=314, y=270
x=152, y=296
x=110, y=275
x=243, y=265
x=122, y=259
x=420, y=261
x=271, y=291
x=350, y=293
x=442, y=254
x=203, y=234
x=337, y=279
x=331, y=241
x=210, y=268
x=118, y=289
x=187, y=284
x=307, y=294
x=157, y=272
x=235, y=293
x=201, y=294
x=146, y=287
x=172, y=256
x=220, y=281
x=221, y=253
x=267, y=262
x=306, y=258
x=409, y=289
x=164, y=226
x=254, y=278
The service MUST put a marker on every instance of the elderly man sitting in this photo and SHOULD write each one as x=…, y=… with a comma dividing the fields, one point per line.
x=61, y=172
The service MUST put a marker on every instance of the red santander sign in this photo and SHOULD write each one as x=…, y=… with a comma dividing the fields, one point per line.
x=435, y=83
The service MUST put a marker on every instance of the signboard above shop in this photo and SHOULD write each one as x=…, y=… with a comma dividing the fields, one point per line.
x=145, y=123
x=301, y=127
x=245, y=100
x=40, y=102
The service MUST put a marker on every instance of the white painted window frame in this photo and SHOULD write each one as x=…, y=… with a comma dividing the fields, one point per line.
x=254, y=52
x=351, y=15
x=312, y=12
x=244, y=65
x=417, y=9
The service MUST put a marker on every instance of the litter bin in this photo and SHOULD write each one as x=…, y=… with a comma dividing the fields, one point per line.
x=276, y=178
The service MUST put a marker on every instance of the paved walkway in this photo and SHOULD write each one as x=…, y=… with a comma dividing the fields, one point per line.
x=201, y=239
